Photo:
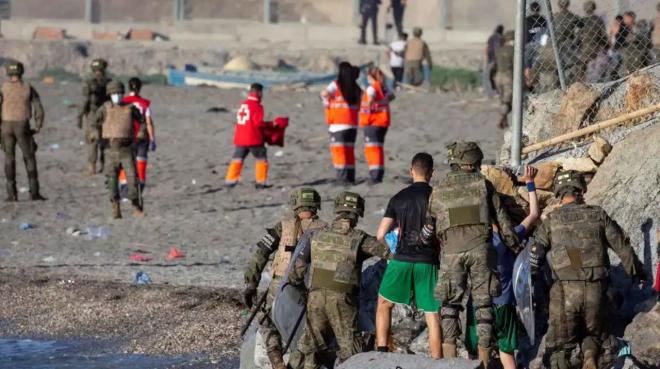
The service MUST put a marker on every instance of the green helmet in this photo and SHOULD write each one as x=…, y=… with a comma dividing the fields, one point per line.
x=114, y=87
x=99, y=65
x=350, y=202
x=589, y=6
x=305, y=197
x=464, y=153
x=569, y=181
x=14, y=69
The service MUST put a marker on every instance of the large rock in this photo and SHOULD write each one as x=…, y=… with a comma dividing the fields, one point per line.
x=501, y=179
x=576, y=106
x=584, y=165
x=599, y=150
x=643, y=334
x=380, y=360
x=627, y=186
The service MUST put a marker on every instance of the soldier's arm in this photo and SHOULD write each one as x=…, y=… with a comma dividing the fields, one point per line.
x=100, y=115
x=301, y=264
x=502, y=219
x=620, y=243
x=371, y=246
x=38, y=109
x=540, y=245
x=265, y=248
x=84, y=108
x=427, y=55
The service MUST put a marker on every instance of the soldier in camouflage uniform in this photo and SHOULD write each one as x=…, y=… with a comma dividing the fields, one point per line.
x=116, y=122
x=94, y=95
x=636, y=53
x=576, y=237
x=334, y=259
x=19, y=101
x=567, y=26
x=593, y=38
x=504, y=76
x=544, y=72
x=461, y=209
x=281, y=241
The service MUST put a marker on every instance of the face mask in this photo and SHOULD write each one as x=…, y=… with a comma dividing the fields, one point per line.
x=116, y=98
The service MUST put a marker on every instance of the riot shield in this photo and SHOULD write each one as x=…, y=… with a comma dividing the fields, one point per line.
x=523, y=292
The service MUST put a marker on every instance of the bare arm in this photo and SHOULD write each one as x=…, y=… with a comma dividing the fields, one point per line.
x=384, y=227
x=534, y=211
x=150, y=129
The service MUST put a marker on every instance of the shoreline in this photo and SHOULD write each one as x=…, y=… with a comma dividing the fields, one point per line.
x=155, y=320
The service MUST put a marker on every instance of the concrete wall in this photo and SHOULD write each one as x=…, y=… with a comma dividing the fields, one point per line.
x=133, y=10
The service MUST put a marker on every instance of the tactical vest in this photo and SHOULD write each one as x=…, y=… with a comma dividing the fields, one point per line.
x=97, y=92
x=460, y=199
x=335, y=260
x=577, y=250
x=504, y=60
x=16, y=102
x=292, y=229
x=118, y=121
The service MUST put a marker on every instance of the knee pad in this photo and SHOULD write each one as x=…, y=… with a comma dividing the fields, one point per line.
x=451, y=324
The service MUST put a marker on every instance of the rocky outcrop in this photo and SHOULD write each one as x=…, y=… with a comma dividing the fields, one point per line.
x=379, y=360
x=643, y=334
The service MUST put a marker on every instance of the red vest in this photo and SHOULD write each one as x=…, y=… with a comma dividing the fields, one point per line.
x=249, y=122
x=376, y=113
x=142, y=105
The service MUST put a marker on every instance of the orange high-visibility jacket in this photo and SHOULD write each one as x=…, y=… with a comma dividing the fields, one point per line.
x=377, y=112
x=338, y=111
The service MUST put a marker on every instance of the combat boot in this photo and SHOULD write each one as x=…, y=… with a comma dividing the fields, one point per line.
x=449, y=350
x=276, y=360
x=116, y=210
x=484, y=356
x=138, y=210
x=37, y=197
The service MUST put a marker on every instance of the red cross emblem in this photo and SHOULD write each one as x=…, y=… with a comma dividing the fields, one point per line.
x=243, y=114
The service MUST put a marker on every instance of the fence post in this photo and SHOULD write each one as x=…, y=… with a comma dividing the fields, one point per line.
x=518, y=86
x=89, y=11
x=177, y=10
x=551, y=28
x=445, y=14
x=267, y=12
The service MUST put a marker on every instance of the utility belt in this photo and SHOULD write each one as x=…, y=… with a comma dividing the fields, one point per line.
x=324, y=278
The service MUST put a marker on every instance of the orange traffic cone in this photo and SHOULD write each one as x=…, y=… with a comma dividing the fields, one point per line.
x=174, y=254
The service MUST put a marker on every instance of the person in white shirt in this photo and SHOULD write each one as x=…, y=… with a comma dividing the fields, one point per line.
x=396, y=52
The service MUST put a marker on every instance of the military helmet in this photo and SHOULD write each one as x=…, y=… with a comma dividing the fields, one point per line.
x=99, y=65
x=509, y=35
x=305, y=197
x=569, y=180
x=14, y=68
x=464, y=153
x=114, y=87
x=563, y=3
x=350, y=202
x=589, y=6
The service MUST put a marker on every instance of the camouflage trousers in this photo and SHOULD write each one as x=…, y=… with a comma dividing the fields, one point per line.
x=14, y=133
x=268, y=330
x=480, y=265
x=576, y=317
x=93, y=142
x=504, y=86
x=121, y=156
x=329, y=311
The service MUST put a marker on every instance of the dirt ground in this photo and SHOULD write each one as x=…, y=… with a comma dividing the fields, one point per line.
x=186, y=204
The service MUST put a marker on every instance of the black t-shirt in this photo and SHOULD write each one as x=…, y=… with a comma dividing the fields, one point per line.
x=535, y=25
x=408, y=209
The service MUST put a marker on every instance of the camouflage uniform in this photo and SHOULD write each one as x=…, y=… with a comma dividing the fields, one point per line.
x=504, y=77
x=567, y=25
x=116, y=121
x=545, y=70
x=19, y=100
x=281, y=241
x=463, y=206
x=94, y=96
x=334, y=258
x=576, y=237
x=593, y=38
x=636, y=53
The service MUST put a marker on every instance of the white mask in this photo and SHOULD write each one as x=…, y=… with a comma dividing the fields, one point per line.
x=116, y=98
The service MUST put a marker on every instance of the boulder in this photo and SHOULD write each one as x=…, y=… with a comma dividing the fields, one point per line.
x=240, y=63
x=641, y=91
x=544, y=197
x=599, y=150
x=546, y=175
x=643, y=334
x=584, y=165
x=501, y=179
x=627, y=186
x=381, y=360
x=577, y=105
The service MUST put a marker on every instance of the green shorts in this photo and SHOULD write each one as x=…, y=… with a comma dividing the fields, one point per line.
x=402, y=278
x=505, y=326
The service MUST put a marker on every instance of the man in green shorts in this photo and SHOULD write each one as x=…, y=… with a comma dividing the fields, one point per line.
x=414, y=268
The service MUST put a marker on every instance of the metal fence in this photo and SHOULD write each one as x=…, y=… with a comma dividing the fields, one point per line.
x=582, y=41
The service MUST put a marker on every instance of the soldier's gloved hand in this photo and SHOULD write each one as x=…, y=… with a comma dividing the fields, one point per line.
x=248, y=296
x=152, y=145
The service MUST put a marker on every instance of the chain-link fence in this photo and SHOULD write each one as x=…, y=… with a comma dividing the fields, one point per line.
x=589, y=41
